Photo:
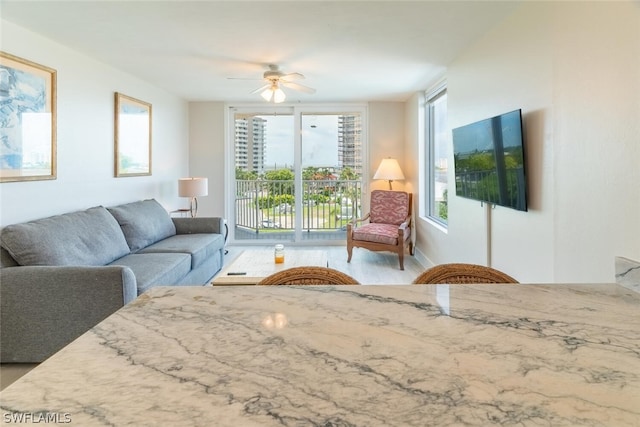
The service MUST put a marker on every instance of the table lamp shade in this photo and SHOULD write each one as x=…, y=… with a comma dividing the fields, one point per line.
x=193, y=187
x=389, y=170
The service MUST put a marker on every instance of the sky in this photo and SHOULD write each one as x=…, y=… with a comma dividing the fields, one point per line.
x=319, y=140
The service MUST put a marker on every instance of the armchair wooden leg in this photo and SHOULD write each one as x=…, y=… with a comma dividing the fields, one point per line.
x=401, y=257
x=349, y=241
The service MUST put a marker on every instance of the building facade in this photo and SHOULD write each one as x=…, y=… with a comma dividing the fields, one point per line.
x=350, y=143
x=250, y=146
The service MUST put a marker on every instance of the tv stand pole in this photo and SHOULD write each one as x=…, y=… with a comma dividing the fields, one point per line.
x=487, y=217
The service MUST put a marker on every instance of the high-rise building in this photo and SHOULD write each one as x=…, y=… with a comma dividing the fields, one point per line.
x=250, y=143
x=350, y=142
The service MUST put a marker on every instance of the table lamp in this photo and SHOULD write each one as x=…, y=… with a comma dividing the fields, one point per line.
x=193, y=187
x=389, y=169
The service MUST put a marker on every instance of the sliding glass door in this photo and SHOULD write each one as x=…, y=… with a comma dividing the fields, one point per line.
x=297, y=173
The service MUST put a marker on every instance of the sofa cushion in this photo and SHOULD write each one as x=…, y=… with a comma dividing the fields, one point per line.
x=156, y=269
x=199, y=246
x=143, y=223
x=89, y=237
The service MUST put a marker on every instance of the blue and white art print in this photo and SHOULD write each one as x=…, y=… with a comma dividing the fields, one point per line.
x=27, y=120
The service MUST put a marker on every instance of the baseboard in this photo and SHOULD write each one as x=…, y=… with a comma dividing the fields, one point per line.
x=422, y=259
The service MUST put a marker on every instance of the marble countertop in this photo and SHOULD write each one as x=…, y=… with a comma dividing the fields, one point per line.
x=628, y=273
x=419, y=355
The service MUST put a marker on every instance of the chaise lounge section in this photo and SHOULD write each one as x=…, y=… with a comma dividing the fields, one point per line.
x=62, y=275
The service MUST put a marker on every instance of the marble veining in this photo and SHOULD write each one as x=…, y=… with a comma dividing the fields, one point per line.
x=628, y=273
x=421, y=355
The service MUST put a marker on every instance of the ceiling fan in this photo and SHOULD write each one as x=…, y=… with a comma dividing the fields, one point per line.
x=274, y=79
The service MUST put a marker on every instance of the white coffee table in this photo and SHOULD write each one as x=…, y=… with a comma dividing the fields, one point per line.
x=251, y=266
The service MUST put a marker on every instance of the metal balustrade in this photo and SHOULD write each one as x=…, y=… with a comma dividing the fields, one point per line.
x=268, y=206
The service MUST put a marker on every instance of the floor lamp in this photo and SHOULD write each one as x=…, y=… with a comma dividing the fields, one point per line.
x=192, y=188
x=389, y=170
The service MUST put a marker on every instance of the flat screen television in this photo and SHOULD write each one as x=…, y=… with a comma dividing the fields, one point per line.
x=489, y=161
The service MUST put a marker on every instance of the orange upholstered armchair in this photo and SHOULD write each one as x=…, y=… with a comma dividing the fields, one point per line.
x=389, y=226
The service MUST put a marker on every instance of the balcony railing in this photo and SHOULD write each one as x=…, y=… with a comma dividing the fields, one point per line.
x=268, y=206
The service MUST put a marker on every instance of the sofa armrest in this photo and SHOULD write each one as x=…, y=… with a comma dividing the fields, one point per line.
x=199, y=225
x=44, y=308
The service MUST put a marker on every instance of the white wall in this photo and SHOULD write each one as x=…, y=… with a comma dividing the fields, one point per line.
x=573, y=68
x=597, y=128
x=386, y=139
x=85, y=136
x=206, y=153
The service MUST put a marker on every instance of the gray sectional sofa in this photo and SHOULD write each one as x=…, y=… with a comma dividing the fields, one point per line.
x=62, y=275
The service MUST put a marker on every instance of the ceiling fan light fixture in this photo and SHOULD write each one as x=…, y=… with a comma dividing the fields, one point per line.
x=274, y=93
x=267, y=94
x=279, y=96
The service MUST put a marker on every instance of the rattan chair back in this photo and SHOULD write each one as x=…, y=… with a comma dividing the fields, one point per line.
x=463, y=273
x=309, y=276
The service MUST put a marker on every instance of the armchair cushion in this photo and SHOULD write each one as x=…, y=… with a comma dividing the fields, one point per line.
x=389, y=207
x=386, y=234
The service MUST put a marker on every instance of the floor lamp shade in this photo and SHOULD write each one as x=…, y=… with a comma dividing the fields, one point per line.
x=192, y=188
x=389, y=170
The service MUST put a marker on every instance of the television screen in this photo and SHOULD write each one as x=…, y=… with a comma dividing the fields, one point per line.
x=489, y=161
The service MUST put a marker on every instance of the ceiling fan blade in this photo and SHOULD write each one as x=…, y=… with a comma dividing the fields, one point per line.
x=261, y=88
x=296, y=86
x=293, y=76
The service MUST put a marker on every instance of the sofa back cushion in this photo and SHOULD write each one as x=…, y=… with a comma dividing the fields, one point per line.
x=5, y=259
x=143, y=223
x=89, y=237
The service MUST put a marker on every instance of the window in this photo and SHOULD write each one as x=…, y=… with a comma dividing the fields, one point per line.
x=438, y=145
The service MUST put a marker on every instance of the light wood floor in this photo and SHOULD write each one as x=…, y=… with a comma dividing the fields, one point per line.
x=370, y=268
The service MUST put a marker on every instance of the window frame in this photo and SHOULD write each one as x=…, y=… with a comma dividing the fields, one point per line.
x=430, y=97
x=297, y=111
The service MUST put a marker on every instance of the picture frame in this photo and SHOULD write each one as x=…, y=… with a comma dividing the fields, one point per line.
x=27, y=120
x=133, y=136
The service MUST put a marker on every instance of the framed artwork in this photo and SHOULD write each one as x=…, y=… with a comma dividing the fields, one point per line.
x=27, y=120
x=132, y=136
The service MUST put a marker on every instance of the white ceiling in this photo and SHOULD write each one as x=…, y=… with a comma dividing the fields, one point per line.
x=349, y=51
